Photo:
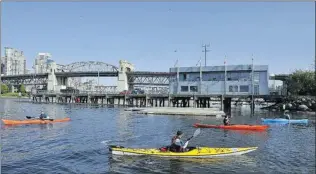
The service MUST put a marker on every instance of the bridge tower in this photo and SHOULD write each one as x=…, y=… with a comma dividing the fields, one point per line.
x=52, y=80
x=122, y=80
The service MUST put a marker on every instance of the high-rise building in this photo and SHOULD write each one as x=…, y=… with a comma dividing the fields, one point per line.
x=2, y=66
x=41, y=63
x=13, y=62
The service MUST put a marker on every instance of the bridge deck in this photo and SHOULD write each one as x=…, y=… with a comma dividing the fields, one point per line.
x=116, y=95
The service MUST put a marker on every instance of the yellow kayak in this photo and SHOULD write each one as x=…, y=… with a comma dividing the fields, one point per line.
x=193, y=152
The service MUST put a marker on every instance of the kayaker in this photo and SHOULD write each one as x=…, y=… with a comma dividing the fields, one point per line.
x=43, y=115
x=287, y=116
x=226, y=120
x=177, y=144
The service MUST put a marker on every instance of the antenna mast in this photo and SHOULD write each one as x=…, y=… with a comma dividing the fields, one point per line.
x=205, y=51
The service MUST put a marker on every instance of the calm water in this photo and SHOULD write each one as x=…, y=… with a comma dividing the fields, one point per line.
x=80, y=146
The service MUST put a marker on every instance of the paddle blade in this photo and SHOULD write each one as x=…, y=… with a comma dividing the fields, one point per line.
x=197, y=132
x=29, y=117
x=186, y=144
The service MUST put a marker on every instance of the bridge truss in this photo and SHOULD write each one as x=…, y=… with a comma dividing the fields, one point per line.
x=145, y=78
x=26, y=79
x=150, y=82
x=77, y=70
x=89, y=66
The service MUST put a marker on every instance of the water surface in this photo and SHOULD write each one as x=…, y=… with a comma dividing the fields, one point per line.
x=80, y=146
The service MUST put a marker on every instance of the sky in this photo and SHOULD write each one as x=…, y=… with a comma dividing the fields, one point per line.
x=278, y=34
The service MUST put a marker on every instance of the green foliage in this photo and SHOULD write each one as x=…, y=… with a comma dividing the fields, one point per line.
x=22, y=89
x=4, y=89
x=302, y=83
x=11, y=94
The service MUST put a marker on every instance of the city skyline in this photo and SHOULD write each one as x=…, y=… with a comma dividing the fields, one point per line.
x=149, y=36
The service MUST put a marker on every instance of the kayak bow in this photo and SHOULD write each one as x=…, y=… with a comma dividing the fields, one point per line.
x=34, y=121
x=234, y=127
x=194, y=152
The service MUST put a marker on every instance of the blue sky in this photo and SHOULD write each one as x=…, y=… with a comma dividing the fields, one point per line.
x=280, y=34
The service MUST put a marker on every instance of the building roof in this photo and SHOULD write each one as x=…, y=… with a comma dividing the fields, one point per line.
x=221, y=68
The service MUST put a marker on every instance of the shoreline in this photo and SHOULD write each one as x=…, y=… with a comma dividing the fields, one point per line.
x=300, y=104
x=12, y=97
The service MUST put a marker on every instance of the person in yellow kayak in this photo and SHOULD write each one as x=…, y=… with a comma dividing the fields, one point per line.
x=43, y=116
x=177, y=144
x=226, y=120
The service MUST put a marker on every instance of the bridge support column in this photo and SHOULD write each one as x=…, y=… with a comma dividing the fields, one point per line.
x=122, y=79
x=227, y=105
x=52, y=80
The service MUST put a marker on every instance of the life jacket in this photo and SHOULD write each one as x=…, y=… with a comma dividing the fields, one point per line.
x=174, y=147
x=173, y=140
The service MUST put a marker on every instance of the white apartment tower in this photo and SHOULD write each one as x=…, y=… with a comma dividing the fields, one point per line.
x=13, y=62
x=41, y=64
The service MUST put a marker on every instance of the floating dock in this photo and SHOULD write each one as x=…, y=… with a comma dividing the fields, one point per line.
x=178, y=111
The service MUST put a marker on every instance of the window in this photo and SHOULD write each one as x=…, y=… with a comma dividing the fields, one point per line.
x=256, y=77
x=243, y=88
x=233, y=88
x=193, y=77
x=183, y=77
x=193, y=89
x=213, y=76
x=184, y=88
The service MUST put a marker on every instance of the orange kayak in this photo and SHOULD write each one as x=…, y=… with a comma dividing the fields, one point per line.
x=234, y=126
x=33, y=121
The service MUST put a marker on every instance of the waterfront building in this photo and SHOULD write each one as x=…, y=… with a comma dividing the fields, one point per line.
x=211, y=80
x=42, y=62
x=13, y=62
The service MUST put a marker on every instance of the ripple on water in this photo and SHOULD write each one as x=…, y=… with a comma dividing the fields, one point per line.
x=80, y=146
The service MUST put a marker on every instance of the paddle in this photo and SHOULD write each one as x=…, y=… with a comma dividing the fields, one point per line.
x=196, y=133
x=29, y=117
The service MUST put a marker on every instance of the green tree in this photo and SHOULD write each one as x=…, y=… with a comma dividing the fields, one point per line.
x=4, y=89
x=302, y=83
x=22, y=89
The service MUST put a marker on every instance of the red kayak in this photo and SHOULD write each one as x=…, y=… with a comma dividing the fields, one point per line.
x=234, y=126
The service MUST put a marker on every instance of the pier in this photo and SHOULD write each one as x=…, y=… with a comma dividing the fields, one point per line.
x=149, y=100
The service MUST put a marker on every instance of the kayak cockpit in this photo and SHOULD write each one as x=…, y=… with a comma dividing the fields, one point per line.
x=161, y=149
x=167, y=149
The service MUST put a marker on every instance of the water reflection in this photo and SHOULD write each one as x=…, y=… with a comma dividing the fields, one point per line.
x=125, y=164
x=11, y=109
x=176, y=166
x=75, y=146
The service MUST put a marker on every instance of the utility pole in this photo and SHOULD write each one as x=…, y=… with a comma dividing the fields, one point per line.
x=0, y=72
x=225, y=75
x=205, y=51
x=252, y=87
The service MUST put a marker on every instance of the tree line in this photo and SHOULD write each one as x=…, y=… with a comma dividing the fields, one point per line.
x=6, y=89
x=302, y=82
